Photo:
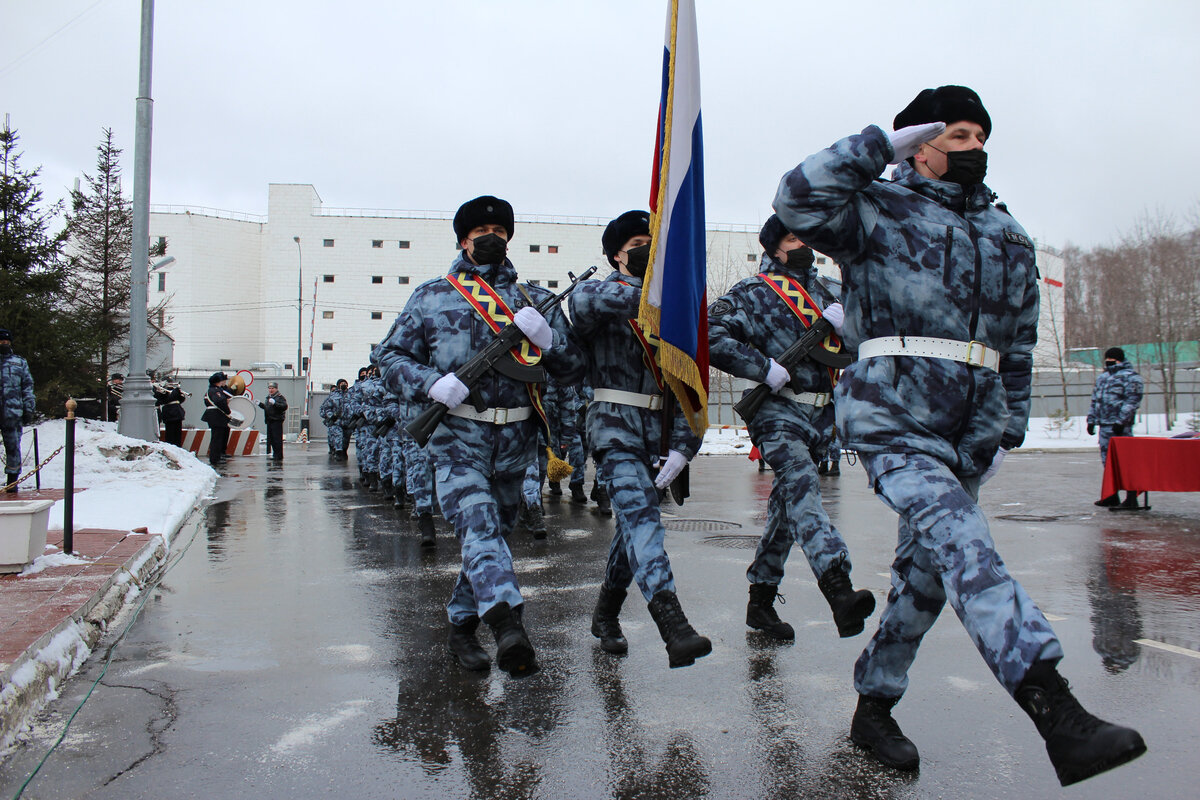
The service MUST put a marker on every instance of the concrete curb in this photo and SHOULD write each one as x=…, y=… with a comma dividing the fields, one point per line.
x=33, y=679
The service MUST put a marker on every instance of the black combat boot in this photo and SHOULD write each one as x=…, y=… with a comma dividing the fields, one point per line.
x=385, y=486
x=684, y=645
x=555, y=488
x=11, y=481
x=1079, y=745
x=600, y=495
x=577, y=495
x=605, y=623
x=373, y=482
x=425, y=526
x=834, y=468
x=1131, y=500
x=400, y=499
x=760, y=612
x=823, y=468
x=465, y=648
x=1113, y=499
x=535, y=521
x=514, y=653
x=874, y=729
x=850, y=608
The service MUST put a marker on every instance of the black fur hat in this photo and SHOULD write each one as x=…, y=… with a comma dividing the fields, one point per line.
x=948, y=104
x=216, y=378
x=483, y=210
x=1115, y=352
x=621, y=230
x=772, y=233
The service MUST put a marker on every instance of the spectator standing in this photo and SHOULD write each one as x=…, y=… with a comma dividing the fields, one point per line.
x=16, y=406
x=274, y=412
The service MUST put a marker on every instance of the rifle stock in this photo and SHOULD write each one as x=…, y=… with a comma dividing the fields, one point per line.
x=747, y=408
x=478, y=365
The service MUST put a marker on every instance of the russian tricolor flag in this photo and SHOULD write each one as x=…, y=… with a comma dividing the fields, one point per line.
x=674, y=299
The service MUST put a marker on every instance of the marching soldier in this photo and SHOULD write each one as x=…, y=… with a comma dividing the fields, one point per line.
x=480, y=457
x=333, y=414
x=624, y=430
x=941, y=304
x=418, y=476
x=756, y=321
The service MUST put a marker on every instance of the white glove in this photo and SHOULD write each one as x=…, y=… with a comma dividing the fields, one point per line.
x=449, y=390
x=907, y=141
x=534, y=326
x=995, y=467
x=777, y=376
x=669, y=468
x=836, y=316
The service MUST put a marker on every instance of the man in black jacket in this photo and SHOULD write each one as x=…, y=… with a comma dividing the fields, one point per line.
x=216, y=414
x=274, y=411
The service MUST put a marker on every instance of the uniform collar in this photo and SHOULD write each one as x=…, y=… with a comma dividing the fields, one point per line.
x=945, y=193
x=494, y=274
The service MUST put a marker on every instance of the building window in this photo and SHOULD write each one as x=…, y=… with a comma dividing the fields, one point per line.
x=535, y=248
x=553, y=248
x=551, y=284
x=403, y=280
x=224, y=362
x=287, y=366
x=162, y=281
x=327, y=243
x=376, y=279
x=750, y=257
x=403, y=244
x=821, y=259
x=326, y=345
x=377, y=243
x=326, y=315
x=327, y=279
x=376, y=315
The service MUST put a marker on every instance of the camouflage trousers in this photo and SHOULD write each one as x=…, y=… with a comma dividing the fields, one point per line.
x=535, y=475
x=794, y=513
x=395, y=445
x=576, y=455
x=385, y=456
x=1105, y=433
x=12, y=448
x=483, y=509
x=337, y=437
x=945, y=552
x=637, y=552
x=368, y=450
x=833, y=453
x=418, y=475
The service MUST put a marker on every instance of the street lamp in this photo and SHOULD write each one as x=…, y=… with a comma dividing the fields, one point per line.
x=299, y=304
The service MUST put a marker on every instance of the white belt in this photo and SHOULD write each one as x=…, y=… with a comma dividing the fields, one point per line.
x=975, y=354
x=496, y=416
x=818, y=399
x=652, y=402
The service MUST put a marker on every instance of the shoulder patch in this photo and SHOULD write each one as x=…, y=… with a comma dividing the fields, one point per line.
x=720, y=308
x=1018, y=238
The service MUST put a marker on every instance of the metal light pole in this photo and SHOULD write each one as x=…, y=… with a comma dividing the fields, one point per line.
x=137, y=403
x=299, y=304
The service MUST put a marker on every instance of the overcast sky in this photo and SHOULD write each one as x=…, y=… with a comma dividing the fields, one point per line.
x=551, y=104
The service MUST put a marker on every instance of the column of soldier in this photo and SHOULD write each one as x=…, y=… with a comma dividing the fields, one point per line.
x=939, y=305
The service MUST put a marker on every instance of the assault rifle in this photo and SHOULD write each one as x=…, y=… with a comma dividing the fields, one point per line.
x=493, y=356
x=808, y=345
x=383, y=427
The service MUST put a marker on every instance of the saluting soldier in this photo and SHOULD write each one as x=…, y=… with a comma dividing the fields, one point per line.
x=624, y=430
x=480, y=457
x=757, y=320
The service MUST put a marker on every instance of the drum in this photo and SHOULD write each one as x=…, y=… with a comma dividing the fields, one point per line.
x=241, y=412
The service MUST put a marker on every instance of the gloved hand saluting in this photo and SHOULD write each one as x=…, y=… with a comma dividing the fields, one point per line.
x=836, y=316
x=907, y=141
x=534, y=326
x=669, y=468
x=449, y=390
x=777, y=376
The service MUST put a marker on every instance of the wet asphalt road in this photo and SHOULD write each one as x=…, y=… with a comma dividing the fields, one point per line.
x=296, y=650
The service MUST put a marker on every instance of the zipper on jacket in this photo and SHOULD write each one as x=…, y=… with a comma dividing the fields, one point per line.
x=973, y=326
x=948, y=265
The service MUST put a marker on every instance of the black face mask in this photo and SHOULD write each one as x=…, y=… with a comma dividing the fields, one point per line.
x=5, y=349
x=489, y=249
x=637, y=259
x=965, y=167
x=799, y=259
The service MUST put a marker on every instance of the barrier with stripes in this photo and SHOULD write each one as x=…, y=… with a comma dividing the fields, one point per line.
x=241, y=442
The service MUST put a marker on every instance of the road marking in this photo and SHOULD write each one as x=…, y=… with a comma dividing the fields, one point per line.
x=1170, y=648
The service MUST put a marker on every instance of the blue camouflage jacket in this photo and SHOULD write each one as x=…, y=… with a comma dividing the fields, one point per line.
x=920, y=257
x=438, y=332
x=749, y=326
x=600, y=313
x=333, y=410
x=17, y=385
x=562, y=410
x=1117, y=395
x=373, y=400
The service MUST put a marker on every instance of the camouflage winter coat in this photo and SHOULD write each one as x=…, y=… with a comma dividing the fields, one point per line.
x=749, y=326
x=1117, y=395
x=600, y=313
x=17, y=385
x=438, y=332
x=921, y=257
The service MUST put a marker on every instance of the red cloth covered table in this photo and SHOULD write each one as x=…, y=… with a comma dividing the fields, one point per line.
x=1151, y=464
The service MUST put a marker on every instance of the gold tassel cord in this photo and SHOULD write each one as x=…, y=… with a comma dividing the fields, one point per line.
x=556, y=469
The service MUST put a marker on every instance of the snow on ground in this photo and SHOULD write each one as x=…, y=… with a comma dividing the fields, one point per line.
x=1044, y=433
x=130, y=483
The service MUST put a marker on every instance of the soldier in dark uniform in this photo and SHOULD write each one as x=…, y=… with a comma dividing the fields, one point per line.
x=624, y=424
x=274, y=408
x=216, y=414
x=941, y=304
x=480, y=458
x=170, y=397
x=747, y=328
x=112, y=396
